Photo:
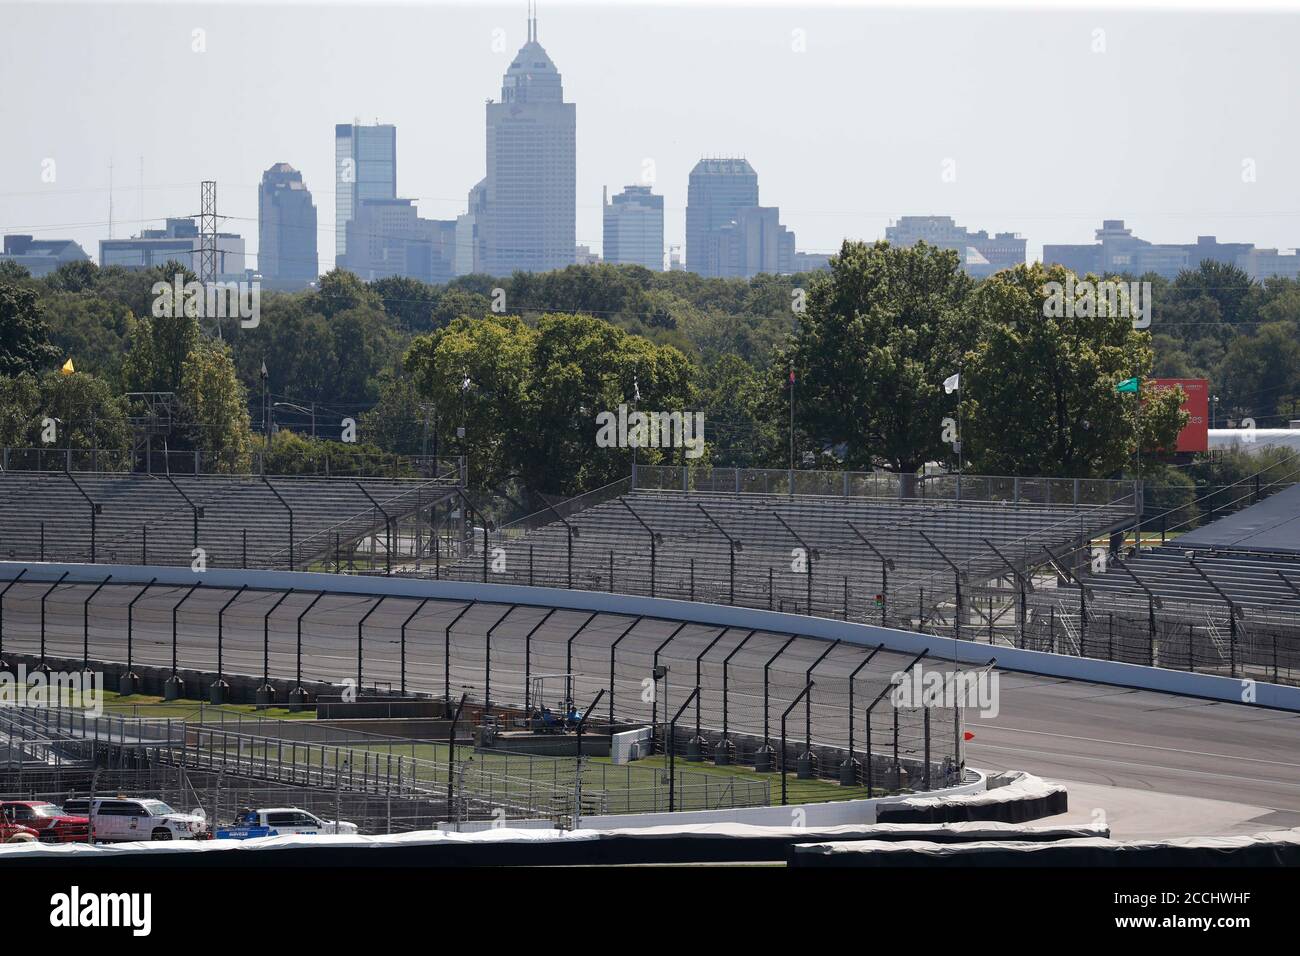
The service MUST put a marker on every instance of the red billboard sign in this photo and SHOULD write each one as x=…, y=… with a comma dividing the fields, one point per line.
x=1195, y=435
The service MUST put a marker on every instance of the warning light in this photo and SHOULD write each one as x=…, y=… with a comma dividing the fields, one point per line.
x=880, y=600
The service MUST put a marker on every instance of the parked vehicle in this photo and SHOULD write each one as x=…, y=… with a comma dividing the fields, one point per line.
x=117, y=819
x=51, y=824
x=16, y=833
x=281, y=821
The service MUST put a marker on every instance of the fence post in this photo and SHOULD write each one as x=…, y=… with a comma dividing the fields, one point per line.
x=763, y=756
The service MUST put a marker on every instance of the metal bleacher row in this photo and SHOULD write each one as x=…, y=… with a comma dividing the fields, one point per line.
x=244, y=520
x=611, y=547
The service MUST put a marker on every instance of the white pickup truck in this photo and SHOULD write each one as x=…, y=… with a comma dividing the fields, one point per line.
x=281, y=821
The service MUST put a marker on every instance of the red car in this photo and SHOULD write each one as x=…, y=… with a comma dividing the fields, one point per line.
x=51, y=824
x=16, y=833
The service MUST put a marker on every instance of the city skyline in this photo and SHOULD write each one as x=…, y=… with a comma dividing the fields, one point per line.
x=74, y=206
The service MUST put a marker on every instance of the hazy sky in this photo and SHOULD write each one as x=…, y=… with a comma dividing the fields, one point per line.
x=847, y=113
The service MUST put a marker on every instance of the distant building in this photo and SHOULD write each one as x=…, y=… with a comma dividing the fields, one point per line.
x=471, y=255
x=754, y=241
x=528, y=217
x=40, y=257
x=716, y=191
x=178, y=240
x=365, y=167
x=981, y=254
x=811, y=261
x=1261, y=264
x=634, y=229
x=1117, y=250
x=583, y=256
x=387, y=238
x=286, y=221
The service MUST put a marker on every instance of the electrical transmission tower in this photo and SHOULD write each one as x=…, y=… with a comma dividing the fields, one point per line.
x=208, y=236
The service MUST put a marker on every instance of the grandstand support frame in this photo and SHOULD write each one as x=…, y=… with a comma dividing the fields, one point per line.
x=280, y=497
x=388, y=530
x=95, y=508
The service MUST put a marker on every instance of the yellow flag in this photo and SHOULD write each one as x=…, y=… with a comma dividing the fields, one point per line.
x=67, y=367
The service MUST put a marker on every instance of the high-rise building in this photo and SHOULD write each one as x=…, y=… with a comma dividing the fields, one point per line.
x=981, y=254
x=753, y=241
x=286, y=220
x=716, y=191
x=40, y=257
x=528, y=220
x=178, y=241
x=470, y=254
x=387, y=237
x=634, y=229
x=365, y=167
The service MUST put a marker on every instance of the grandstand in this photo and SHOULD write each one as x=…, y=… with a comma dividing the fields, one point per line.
x=238, y=521
x=849, y=555
x=1224, y=597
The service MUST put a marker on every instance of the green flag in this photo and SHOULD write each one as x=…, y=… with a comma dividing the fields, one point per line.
x=1128, y=385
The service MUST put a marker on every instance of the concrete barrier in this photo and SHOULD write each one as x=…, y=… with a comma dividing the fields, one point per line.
x=1207, y=686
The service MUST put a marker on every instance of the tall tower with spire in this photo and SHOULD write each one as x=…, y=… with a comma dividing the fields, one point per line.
x=531, y=182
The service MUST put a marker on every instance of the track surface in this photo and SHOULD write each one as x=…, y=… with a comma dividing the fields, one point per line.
x=1056, y=728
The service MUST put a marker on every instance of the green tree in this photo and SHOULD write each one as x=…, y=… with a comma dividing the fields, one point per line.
x=215, y=407
x=882, y=331
x=24, y=335
x=1039, y=395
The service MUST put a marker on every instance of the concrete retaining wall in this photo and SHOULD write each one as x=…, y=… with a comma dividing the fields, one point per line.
x=1206, y=686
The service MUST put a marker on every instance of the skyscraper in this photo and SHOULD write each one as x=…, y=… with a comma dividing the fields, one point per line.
x=530, y=188
x=286, y=219
x=717, y=190
x=365, y=167
x=752, y=242
x=634, y=229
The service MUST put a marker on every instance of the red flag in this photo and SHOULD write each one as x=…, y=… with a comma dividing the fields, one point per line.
x=967, y=735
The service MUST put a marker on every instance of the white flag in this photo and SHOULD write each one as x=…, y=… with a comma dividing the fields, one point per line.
x=952, y=383
x=465, y=384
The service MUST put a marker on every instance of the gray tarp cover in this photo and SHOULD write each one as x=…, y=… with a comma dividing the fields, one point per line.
x=1272, y=848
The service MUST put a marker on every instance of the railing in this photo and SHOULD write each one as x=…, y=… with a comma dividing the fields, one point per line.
x=858, y=484
x=124, y=461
